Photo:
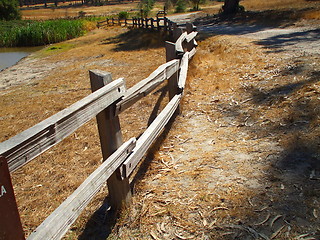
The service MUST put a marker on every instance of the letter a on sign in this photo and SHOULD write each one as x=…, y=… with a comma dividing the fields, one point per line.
x=10, y=224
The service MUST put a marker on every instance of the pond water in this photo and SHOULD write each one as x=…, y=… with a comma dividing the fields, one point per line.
x=10, y=56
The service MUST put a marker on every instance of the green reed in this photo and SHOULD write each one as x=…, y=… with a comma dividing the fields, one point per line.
x=37, y=33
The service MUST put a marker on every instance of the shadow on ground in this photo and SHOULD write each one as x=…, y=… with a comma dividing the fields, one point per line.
x=278, y=42
x=251, y=22
x=290, y=198
x=137, y=39
x=103, y=221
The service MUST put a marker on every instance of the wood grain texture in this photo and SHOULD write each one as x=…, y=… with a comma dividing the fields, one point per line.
x=25, y=146
x=183, y=71
x=179, y=46
x=144, y=87
x=110, y=140
x=58, y=223
x=148, y=137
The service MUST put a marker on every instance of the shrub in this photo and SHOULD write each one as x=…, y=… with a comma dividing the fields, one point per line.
x=181, y=6
x=32, y=33
x=9, y=10
x=145, y=7
x=123, y=15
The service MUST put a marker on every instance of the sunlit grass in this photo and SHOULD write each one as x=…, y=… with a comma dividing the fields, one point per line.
x=37, y=33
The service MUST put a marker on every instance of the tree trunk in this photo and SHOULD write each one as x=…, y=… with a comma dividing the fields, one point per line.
x=230, y=6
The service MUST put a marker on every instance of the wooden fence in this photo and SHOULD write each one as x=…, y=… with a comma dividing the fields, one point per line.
x=107, y=100
x=157, y=23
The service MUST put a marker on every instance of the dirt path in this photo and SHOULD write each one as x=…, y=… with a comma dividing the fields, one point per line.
x=242, y=160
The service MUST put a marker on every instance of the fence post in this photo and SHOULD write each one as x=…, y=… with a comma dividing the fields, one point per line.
x=173, y=80
x=189, y=45
x=176, y=32
x=110, y=140
x=158, y=23
x=165, y=22
x=10, y=224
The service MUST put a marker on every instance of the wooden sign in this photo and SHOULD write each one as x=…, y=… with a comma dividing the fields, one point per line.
x=10, y=224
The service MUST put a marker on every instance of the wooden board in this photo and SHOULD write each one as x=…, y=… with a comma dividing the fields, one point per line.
x=25, y=146
x=191, y=36
x=179, y=47
x=148, y=137
x=142, y=88
x=58, y=223
x=110, y=140
x=183, y=71
x=10, y=223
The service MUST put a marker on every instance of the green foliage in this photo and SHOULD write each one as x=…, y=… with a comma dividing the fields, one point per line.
x=169, y=4
x=82, y=14
x=9, y=10
x=181, y=6
x=196, y=4
x=32, y=33
x=145, y=7
x=123, y=15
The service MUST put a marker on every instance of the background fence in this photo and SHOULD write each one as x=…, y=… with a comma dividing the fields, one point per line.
x=108, y=99
x=158, y=23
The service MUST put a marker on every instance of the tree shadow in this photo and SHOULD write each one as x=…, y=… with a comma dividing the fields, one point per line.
x=100, y=223
x=249, y=22
x=290, y=192
x=277, y=94
x=278, y=42
x=137, y=39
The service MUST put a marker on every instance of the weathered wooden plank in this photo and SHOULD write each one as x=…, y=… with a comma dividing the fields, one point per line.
x=110, y=140
x=192, y=52
x=183, y=71
x=148, y=84
x=25, y=146
x=191, y=36
x=58, y=223
x=179, y=47
x=148, y=137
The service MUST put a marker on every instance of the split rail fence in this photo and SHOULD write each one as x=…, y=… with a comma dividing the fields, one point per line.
x=157, y=23
x=107, y=100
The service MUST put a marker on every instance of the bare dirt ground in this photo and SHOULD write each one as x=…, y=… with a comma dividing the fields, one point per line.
x=240, y=162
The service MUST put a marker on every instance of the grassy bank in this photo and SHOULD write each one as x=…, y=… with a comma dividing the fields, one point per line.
x=37, y=33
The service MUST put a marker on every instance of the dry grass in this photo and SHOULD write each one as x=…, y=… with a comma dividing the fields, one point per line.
x=274, y=4
x=42, y=185
x=211, y=177
x=67, y=12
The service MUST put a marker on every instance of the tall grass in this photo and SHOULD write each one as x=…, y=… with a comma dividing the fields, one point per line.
x=37, y=33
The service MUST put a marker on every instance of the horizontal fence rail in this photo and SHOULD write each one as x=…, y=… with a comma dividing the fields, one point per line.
x=158, y=23
x=58, y=223
x=25, y=146
x=108, y=100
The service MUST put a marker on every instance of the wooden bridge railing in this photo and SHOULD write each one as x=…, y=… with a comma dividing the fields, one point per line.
x=108, y=100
